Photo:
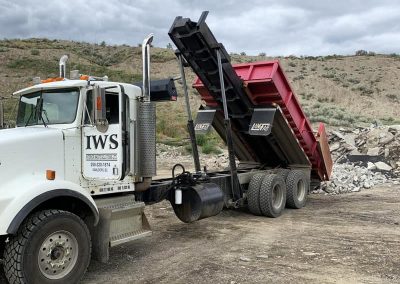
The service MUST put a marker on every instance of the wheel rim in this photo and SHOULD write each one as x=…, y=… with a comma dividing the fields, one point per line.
x=301, y=190
x=58, y=255
x=277, y=197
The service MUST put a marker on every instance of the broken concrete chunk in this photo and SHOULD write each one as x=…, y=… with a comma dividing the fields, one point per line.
x=338, y=134
x=371, y=166
x=350, y=139
x=386, y=138
x=374, y=151
x=386, y=152
x=383, y=166
x=334, y=147
x=367, y=185
x=394, y=128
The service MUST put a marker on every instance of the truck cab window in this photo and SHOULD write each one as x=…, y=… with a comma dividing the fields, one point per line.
x=88, y=112
x=59, y=107
x=112, y=108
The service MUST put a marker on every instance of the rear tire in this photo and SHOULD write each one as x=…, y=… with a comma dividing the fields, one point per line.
x=51, y=246
x=283, y=173
x=253, y=194
x=297, y=184
x=272, y=195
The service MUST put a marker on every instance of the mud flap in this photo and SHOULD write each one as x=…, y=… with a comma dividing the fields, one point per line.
x=204, y=121
x=262, y=121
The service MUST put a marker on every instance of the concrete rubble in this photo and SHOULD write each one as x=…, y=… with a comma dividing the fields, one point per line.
x=363, y=158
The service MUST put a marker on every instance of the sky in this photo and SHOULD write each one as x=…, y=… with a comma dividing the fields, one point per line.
x=284, y=27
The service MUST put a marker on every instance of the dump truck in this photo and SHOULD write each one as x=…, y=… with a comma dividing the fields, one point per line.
x=78, y=170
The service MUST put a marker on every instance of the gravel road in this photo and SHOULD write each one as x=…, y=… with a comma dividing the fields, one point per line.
x=350, y=238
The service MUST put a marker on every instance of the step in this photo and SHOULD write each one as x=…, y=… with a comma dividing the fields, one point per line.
x=122, y=220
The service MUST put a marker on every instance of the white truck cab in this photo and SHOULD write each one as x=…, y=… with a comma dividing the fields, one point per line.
x=63, y=168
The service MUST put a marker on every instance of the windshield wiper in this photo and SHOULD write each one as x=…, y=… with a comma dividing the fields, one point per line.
x=39, y=109
x=30, y=116
x=45, y=113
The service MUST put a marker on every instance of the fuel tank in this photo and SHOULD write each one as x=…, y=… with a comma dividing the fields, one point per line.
x=198, y=202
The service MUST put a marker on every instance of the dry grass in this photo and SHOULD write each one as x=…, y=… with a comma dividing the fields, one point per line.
x=335, y=89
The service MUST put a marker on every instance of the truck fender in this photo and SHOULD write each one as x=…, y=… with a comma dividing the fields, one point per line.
x=40, y=199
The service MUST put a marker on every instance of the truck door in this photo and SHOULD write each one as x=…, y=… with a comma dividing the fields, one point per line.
x=102, y=136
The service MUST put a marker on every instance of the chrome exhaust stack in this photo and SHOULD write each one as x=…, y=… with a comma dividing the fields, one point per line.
x=145, y=130
x=146, y=66
x=63, y=66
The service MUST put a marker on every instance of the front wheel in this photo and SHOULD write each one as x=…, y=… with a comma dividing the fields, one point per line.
x=52, y=246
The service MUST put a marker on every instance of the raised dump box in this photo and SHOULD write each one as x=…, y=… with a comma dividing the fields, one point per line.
x=266, y=84
x=255, y=92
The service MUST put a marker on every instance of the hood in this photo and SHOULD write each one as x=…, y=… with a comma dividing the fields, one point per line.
x=27, y=152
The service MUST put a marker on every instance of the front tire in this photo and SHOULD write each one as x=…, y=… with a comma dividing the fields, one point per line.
x=51, y=247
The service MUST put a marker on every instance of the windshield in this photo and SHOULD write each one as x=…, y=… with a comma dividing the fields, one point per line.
x=48, y=107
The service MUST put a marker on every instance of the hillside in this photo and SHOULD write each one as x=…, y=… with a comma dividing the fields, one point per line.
x=338, y=90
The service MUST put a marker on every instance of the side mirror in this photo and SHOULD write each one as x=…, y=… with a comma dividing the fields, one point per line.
x=99, y=101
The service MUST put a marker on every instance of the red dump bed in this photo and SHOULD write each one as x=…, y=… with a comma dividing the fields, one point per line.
x=265, y=83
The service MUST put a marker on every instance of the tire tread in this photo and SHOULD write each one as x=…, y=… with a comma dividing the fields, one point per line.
x=13, y=252
x=253, y=194
x=291, y=184
x=265, y=194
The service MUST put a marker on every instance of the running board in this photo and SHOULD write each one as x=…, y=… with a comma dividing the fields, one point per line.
x=122, y=220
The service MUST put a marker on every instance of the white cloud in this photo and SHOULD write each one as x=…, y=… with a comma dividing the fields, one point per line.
x=307, y=27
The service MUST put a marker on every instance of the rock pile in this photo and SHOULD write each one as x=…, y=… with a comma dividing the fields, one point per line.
x=364, y=157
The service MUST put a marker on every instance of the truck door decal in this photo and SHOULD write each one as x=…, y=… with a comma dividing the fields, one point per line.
x=102, y=154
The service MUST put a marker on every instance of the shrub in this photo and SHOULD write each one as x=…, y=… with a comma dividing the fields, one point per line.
x=392, y=97
x=292, y=64
x=201, y=139
x=263, y=54
x=35, y=52
x=353, y=80
x=361, y=52
x=211, y=148
x=300, y=77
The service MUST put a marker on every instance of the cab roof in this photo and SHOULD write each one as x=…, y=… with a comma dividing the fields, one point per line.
x=69, y=84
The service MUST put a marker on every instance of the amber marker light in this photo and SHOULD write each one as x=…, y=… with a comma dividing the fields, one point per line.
x=51, y=175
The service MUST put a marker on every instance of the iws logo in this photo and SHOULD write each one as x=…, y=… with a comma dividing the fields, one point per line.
x=202, y=126
x=260, y=127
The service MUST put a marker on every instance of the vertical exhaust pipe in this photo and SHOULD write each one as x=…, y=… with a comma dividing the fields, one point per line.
x=146, y=126
x=63, y=66
x=146, y=66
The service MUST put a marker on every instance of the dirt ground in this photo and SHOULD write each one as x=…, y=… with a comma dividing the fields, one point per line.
x=350, y=238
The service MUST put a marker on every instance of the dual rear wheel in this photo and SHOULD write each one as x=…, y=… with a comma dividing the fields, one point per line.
x=269, y=193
